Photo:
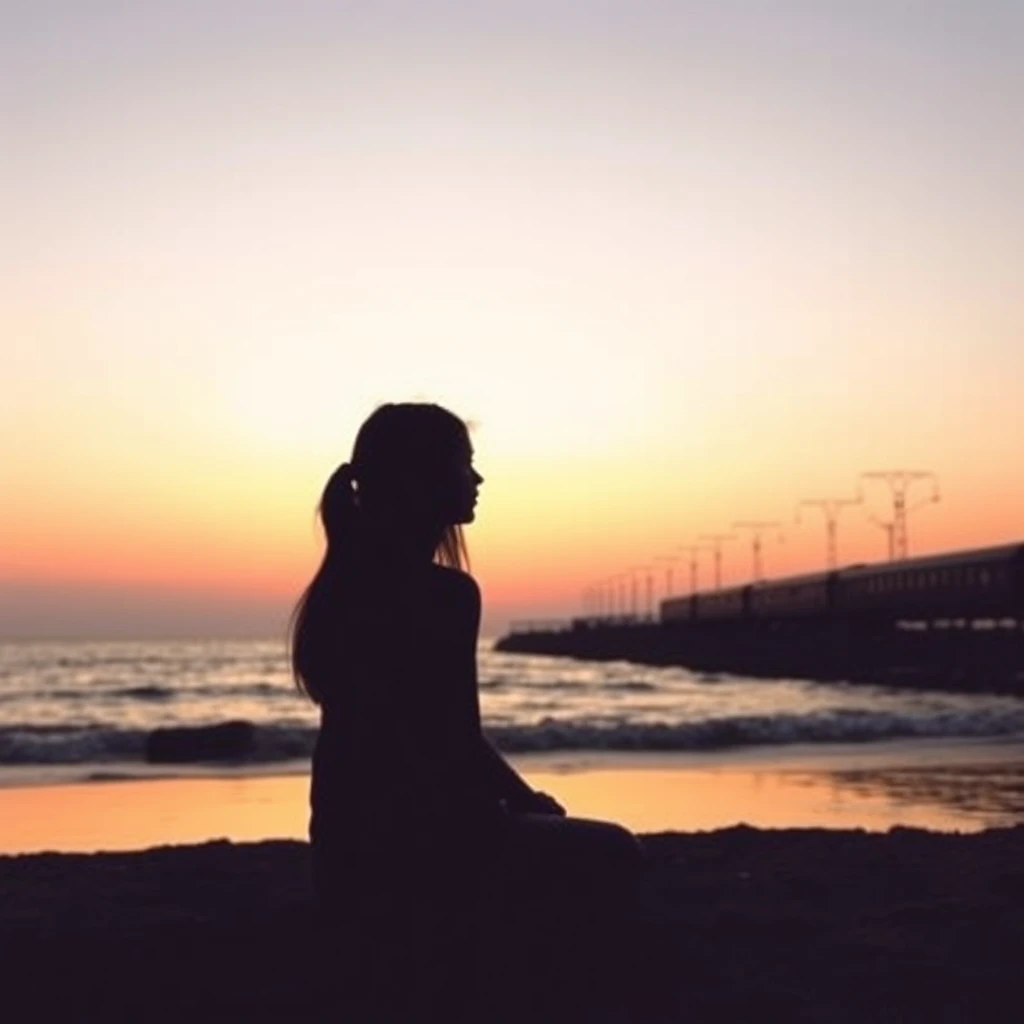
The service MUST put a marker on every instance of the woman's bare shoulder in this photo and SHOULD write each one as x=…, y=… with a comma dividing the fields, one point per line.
x=453, y=587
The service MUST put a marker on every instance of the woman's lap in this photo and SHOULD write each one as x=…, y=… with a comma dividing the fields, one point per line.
x=541, y=855
x=548, y=841
x=555, y=857
x=444, y=918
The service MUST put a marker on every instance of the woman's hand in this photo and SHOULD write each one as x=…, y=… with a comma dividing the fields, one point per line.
x=543, y=803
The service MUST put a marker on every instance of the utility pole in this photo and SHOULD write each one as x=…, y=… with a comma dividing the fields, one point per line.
x=632, y=589
x=715, y=542
x=610, y=597
x=831, y=508
x=888, y=527
x=649, y=590
x=757, y=528
x=691, y=550
x=669, y=561
x=899, y=482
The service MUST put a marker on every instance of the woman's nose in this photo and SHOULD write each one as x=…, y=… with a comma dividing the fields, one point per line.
x=477, y=478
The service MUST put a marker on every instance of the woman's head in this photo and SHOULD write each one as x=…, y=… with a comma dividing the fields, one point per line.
x=410, y=476
x=404, y=496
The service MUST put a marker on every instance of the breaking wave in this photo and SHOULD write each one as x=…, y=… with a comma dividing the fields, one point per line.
x=55, y=745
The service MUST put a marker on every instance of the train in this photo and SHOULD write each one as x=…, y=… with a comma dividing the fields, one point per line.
x=976, y=584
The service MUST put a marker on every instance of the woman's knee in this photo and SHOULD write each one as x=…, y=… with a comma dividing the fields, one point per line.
x=616, y=847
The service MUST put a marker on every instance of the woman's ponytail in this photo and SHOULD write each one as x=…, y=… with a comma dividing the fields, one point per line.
x=339, y=504
x=339, y=511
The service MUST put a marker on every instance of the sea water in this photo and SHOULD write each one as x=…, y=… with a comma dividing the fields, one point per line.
x=77, y=710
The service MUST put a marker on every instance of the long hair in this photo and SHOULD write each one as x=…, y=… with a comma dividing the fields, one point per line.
x=398, y=450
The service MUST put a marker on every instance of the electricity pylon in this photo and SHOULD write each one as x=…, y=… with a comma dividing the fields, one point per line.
x=715, y=542
x=900, y=481
x=757, y=529
x=831, y=507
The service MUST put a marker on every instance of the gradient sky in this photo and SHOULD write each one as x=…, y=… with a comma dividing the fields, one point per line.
x=680, y=263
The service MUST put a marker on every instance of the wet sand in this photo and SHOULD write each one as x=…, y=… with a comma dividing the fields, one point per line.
x=940, y=786
x=733, y=925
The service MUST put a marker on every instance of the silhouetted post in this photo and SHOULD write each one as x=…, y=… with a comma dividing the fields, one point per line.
x=609, y=598
x=888, y=527
x=756, y=530
x=715, y=542
x=691, y=550
x=831, y=507
x=669, y=561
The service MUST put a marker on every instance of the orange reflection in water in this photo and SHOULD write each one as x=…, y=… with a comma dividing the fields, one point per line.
x=692, y=799
x=645, y=796
x=132, y=815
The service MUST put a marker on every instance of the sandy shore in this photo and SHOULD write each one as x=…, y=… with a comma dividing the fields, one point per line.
x=734, y=925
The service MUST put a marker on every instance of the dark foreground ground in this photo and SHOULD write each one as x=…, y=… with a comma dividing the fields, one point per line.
x=737, y=925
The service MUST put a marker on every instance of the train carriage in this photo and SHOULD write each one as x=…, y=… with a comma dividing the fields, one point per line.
x=677, y=609
x=793, y=597
x=978, y=584
x=988, y=582
x=730, y=603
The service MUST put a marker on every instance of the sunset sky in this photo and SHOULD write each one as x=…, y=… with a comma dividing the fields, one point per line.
x=681, y=263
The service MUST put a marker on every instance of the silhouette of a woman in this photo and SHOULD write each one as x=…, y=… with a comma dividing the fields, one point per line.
x=413, y=810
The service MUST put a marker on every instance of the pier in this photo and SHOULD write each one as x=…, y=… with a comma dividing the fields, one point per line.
x=952, y=621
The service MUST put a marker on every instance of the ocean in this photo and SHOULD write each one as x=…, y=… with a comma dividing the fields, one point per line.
x=83, y=711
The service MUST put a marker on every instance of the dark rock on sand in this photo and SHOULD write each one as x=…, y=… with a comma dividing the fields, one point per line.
x=731, y=926
x=223, y=742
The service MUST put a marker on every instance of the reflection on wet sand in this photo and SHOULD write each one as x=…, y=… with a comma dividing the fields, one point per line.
x=945, y=787
x=691, y=799
x=874, y=787
x=993, y=795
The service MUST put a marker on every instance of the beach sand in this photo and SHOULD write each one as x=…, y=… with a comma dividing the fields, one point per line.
x=823, y=923
x=734, y=925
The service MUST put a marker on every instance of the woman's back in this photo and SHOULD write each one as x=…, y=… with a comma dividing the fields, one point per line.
x=400, y=720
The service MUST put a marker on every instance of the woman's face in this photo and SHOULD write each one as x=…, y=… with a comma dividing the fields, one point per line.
x=460, y=485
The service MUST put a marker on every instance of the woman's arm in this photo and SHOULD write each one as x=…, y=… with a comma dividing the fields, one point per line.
x=497, y=776
x=455, y=708
x=510, y=787
x=503, y=780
